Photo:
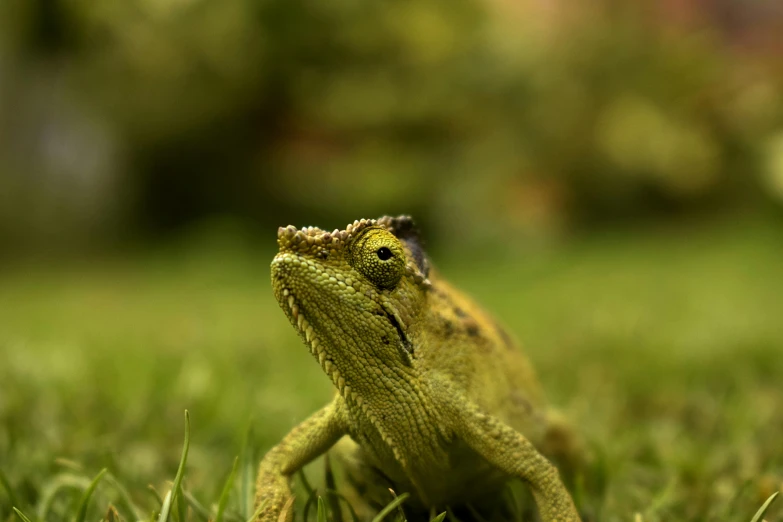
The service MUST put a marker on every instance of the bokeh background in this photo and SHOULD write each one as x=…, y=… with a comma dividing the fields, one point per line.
x=606, y=176
x=139, y=119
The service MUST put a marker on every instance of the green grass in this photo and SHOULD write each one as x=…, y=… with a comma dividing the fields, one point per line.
x=665, y=349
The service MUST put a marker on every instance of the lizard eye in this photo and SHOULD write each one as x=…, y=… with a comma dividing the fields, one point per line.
x=384, y=254
x=378, y=255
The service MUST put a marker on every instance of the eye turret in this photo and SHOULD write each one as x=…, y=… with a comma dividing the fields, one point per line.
x=378, y=255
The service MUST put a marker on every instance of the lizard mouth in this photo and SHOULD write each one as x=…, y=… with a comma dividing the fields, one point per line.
x=308, y=334
x=406, y=346
x=400, y=332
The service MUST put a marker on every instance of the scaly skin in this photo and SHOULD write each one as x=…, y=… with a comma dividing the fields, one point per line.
x=434, y=397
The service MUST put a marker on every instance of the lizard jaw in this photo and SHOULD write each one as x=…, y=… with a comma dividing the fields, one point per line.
x=318, y=350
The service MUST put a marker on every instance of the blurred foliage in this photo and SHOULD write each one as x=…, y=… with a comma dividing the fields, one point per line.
x=148, y=115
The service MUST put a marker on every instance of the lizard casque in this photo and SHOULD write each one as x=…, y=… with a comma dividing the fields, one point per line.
x=434, y=398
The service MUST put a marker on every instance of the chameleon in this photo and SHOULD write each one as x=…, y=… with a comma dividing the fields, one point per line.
x=433, y=397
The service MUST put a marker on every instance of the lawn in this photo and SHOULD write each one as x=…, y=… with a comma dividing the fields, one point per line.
x=665, y=347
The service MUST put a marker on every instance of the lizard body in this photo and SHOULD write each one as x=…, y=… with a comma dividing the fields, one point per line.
x=433, y=397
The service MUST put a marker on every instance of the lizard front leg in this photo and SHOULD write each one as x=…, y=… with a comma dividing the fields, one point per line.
x=511, y=452
x=305, y=442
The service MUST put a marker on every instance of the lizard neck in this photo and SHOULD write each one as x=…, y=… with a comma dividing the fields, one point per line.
x=368, y=383
x=391, y=397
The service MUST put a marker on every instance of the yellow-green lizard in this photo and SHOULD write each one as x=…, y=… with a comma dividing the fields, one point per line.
x=434, y=398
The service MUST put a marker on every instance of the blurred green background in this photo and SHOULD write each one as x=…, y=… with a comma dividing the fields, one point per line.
x=605, y=176
x=138, y=119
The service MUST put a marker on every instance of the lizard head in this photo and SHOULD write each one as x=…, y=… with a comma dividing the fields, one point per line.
x=354, y=295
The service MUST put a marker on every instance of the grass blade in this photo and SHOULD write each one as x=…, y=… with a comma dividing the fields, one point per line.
x=165, y=510
x=247, y=484
x=763, y=509
x=257, y=512
x=182, y=505
x=70, y=465
x=399, y=507
x=311, y=498
x=64, y=482
x=391, y=506
x=476, y=515
x=155, y=495
x=124, y=500
x=305, y=483
x=7, y=487
x=329, y=482
x=662, y=499
x=81, y=513
x=439, y=518
x=321, y=513
x=112, y=515
x=197, y=507
x=226, y=491
x=21, y=515
x=512, y=503
x=354, y=515
x=731, y=510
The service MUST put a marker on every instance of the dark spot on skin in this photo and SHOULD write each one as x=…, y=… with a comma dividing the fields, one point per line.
x=323, y=254
x=385, y=339
x=473, y=330
x=459, y=312
x=448, y=328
